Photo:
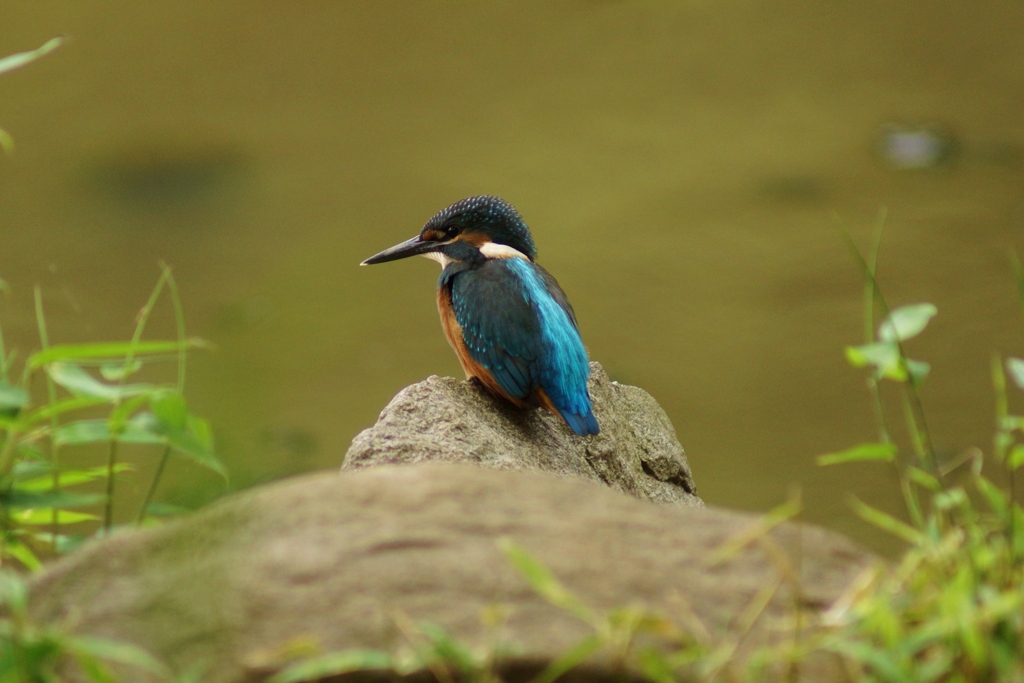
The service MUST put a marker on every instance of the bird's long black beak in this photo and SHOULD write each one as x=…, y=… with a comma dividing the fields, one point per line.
x=412, y=247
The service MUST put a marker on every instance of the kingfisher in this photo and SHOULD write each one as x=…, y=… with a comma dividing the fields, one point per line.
x=509, y=322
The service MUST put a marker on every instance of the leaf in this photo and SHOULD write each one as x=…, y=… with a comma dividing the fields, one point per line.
x=81, y=383
x=883, y=356
x=94, y=670
x=13, y=592
x=30, y=469
x=194, y=441
x=44, y=413
x=333, y=664
x=7, y=143
x=71, y=477
x=906, y=322
x=20, y=59
x=171, y=410
x=994, y=496
x=1015, y=366
x=1016, y=457
x=577, y=654
x=543, y=581
x=861, y=452
x=119, y=652
x=918, y=369
x=951, y=498
x=66, y=543
x=67, y=352
x=113, y=372
x=49, y=499
x=11, y=397
x=880, y=659
x=756, y=530
x=448, y=649
x=923, y=479
x=120, y=414
x=93, y=431
x=45, y=516
x=23, y=554
x=887, y=522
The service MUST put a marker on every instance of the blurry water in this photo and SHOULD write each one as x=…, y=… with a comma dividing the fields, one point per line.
x=686, y=168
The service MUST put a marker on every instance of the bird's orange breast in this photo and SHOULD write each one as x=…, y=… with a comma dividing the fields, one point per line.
x=453, y=332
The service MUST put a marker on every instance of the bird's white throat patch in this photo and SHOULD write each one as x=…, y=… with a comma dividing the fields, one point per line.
x=439, y=257
x=493, y=250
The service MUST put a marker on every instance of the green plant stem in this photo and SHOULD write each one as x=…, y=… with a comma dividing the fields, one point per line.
x=1004, y=438
x=1012, y=531
x=919, y=425
x=871, y=284
x=140, y=327
x=51, y=392
x=179, y=319
x=3, y=356
x=7, y=453
x=143, y=511
x=793, y=666
x=1018, y=276
x=108, y=508
x=871, y=295
x=144, y=314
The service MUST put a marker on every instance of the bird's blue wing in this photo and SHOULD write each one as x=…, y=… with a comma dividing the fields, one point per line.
x=500, y=328
x=553, y=288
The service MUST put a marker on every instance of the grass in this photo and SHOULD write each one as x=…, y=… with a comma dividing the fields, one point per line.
x=41, y=500
x=88, y=401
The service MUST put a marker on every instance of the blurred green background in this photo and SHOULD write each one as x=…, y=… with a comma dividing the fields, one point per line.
x=687, y=169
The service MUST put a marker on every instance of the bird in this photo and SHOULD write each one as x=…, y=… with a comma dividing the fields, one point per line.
x=509, y=321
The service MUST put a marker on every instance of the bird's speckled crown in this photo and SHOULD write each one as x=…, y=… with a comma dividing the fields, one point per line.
x=491, y=216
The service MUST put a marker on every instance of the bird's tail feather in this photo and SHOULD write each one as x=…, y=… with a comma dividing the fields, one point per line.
x=581, y=424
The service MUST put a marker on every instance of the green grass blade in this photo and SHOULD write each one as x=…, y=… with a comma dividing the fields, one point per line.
x=578, y=654
x=12, y=398
x=40, y=516
x=884, y=452
x=94, y=431
x=6, y=142
x=887, y=522
x=333, y=664
x=20, y=59
x=109, y=350
x=81, y=383
x=69, y=478
x=923, y=479
x=543, y=581
x=23, y=554
x=121, y=653
x=49, y=499
x=66, y=405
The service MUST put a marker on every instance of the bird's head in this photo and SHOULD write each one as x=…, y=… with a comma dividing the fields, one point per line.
x=478, y=227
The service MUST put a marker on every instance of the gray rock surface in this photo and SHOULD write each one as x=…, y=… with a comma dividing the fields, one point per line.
x=340, y=561
x=445, y=419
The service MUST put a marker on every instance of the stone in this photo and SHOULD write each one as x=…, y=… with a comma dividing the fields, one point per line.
x=450, y=420
x=327, y=562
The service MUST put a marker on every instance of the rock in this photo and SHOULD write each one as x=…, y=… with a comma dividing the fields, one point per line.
x=444, y=419
x=351, y=561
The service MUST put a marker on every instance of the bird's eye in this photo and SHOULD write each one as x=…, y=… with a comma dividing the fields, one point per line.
x=450, y=231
